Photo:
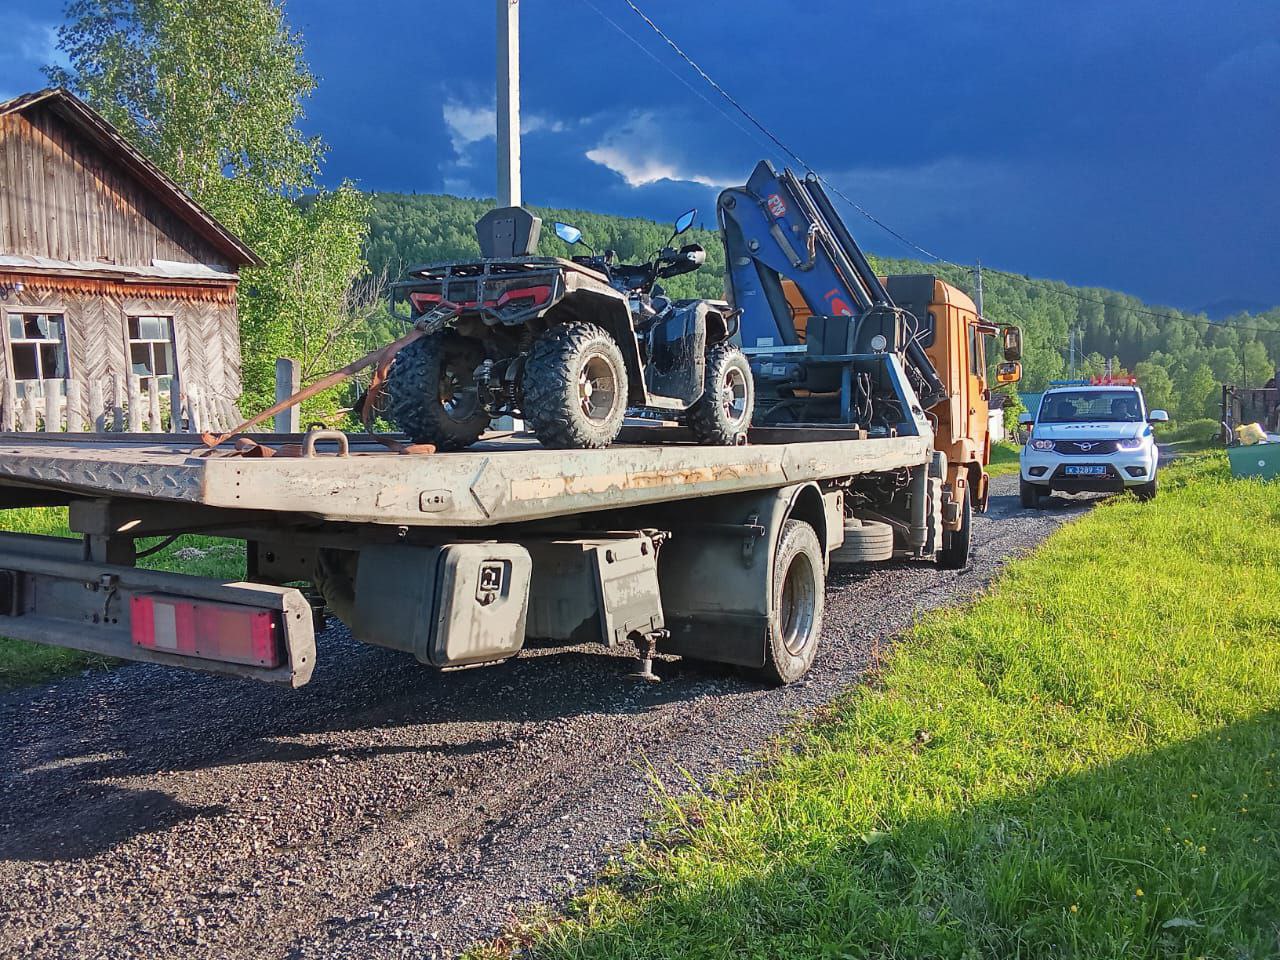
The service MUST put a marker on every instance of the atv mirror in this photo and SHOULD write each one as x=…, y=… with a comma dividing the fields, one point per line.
x=569, y=234
x=1012, y=338
x=685, y=221
x=1009, y=372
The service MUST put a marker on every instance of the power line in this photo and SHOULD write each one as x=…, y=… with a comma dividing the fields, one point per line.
x=1048, y=285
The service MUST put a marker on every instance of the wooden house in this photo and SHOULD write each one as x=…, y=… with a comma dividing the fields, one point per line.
x=117, y=290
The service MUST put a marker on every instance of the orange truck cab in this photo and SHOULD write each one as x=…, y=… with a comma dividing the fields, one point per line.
x=954, y=338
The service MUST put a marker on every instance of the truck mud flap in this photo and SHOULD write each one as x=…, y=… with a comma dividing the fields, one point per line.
x=716, y=570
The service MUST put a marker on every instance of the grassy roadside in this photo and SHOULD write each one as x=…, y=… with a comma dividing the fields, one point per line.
x=1081, y=764
x=26, y=663
x=1004, y=458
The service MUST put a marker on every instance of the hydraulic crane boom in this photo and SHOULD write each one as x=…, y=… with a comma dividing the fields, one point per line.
x=780, y=228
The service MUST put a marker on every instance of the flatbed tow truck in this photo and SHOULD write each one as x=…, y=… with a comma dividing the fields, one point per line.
x=654, y=544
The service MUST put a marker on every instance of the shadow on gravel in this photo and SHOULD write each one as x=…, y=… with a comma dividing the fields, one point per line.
x=96, y=819
x=61, y=744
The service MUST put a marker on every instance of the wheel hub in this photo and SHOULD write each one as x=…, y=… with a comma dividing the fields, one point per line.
x=597, y=388
x=733, y=395
x=798, y=605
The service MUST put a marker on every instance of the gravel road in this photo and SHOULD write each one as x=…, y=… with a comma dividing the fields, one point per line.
x=385, y=810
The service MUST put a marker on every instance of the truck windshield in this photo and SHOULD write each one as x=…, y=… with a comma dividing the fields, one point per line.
x=1091, y=406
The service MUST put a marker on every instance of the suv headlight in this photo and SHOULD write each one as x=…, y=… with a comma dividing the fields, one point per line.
x=1042, y=445
x=1134, y=443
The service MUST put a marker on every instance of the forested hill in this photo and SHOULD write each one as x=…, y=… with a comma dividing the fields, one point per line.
x=1180, y=358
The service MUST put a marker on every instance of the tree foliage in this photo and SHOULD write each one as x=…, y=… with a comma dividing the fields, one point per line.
x=212, y=91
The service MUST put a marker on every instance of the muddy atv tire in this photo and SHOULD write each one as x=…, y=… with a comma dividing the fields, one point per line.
x=431, y=391
x=722, y=414
x=574, y=389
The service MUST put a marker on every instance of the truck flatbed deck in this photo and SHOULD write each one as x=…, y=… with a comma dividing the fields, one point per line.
x=507, y=479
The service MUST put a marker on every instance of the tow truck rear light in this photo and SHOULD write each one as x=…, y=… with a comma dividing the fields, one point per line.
x=227, y=632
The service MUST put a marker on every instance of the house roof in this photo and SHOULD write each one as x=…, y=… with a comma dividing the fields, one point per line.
x=87, y=121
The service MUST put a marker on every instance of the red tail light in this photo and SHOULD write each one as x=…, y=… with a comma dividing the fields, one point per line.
x=539, y=295
x=213, y=631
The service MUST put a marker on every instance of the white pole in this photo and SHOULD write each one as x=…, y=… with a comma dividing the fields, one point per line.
x=977, y=289
x=508, y=103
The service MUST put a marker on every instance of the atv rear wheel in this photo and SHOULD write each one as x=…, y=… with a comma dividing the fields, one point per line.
x=431, y=391
x=574, y=392
x=722, y=414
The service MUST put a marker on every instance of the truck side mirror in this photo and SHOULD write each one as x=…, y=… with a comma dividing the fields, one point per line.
x=1025, y=419
x=1009, y=372
x=1012, y=338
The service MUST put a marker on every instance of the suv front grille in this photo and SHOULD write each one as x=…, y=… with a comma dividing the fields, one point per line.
x=1086, y=448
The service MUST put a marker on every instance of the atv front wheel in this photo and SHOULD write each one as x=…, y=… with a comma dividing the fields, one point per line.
x=723, y=412
x=574, y=391
x=431, y=391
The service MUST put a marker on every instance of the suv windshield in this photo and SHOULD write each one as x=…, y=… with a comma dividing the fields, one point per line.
x=1091, y=406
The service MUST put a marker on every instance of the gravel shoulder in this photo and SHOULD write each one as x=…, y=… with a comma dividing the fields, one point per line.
x=386, y=810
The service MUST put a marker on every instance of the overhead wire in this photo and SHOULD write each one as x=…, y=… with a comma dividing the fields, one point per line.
x=1048, y=285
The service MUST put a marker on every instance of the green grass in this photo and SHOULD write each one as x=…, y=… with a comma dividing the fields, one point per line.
x=1080, y=764
x=1004, y=458
x=24, y=663
x=1190, y=437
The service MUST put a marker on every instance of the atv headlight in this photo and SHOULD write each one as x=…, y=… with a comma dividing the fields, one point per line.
x=1133, y=443
x=1042, y=445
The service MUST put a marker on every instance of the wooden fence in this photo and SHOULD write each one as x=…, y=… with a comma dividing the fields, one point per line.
x=116, y=405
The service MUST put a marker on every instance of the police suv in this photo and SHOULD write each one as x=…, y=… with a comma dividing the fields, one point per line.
x=1090, y=435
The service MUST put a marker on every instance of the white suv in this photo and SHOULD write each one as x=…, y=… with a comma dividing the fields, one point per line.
x=1090, y=437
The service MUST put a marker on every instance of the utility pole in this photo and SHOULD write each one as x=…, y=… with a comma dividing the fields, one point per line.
x=1071, y=340
x=508, y=103
x=977, y=288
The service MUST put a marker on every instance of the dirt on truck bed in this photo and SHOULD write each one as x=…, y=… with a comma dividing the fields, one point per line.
x=385, y=809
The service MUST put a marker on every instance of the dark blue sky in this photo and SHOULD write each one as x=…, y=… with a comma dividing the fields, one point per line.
x=1132, y=144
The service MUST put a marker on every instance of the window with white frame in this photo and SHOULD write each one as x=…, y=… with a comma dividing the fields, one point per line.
x=37, y=350
x=151, y=350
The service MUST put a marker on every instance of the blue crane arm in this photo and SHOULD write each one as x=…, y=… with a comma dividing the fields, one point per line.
x=778, y=226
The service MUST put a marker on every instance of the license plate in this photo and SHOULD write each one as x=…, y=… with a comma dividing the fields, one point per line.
x=1089, y=470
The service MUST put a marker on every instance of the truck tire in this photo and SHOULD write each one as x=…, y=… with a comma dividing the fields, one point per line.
x=865, y=541
x=1028, y=494
x=722, y=414
x=956, y=544
x=574, y=392
x=431, y=391
x=798, y=589
x=1147, y=491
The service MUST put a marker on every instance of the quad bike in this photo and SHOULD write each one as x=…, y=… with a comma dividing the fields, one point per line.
x=571, y=346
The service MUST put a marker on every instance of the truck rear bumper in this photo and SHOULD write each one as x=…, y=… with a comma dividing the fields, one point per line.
x=49, y=594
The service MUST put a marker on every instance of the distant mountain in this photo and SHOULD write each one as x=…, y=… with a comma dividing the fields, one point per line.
x=1229, y=307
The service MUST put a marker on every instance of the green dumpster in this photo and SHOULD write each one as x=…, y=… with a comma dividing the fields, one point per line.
x=1259, y=460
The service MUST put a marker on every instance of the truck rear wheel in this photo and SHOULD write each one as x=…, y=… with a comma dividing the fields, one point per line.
x=431, y=391
x=722, y=414
x=575, y=387
x=798, y=596
x=957, y=544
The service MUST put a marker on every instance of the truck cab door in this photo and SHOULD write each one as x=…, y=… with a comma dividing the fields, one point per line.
x=976, y=405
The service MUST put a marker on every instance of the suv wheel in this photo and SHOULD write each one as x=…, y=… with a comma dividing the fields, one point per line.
x=1028, y=494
